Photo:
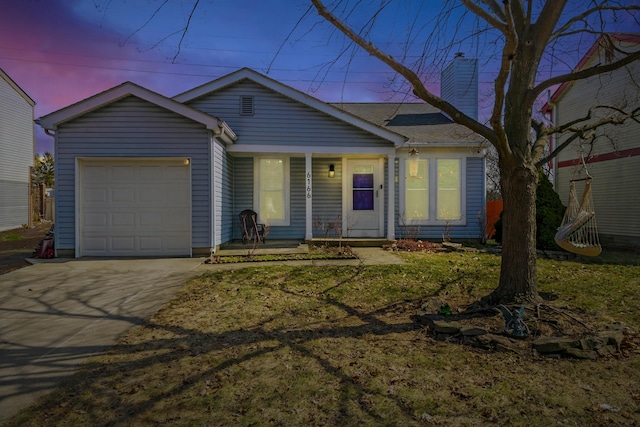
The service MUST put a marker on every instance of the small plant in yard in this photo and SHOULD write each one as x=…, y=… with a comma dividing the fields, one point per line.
x=284, y=345
x=448, y=228
x=326, y=228
x=11, y=237
x=482, y=225
x=410, y=229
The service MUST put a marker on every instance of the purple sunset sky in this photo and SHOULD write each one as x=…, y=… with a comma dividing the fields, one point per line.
x=63, y=51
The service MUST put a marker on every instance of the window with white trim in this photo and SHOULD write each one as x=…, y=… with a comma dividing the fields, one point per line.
x=271, y=190
x=417, y=192
x=435, y=195
x=449, y=199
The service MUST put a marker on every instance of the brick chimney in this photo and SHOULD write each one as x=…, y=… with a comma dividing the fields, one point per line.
x=459, y=84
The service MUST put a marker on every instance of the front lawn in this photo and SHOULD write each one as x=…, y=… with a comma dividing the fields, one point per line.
x=336, y=346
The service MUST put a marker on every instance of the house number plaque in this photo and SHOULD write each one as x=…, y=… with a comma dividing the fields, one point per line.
x=308, y=185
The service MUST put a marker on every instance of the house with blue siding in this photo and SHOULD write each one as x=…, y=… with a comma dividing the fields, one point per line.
x=139, y=174
x=16, y=153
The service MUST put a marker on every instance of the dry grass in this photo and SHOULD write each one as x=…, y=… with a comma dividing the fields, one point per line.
x=301, y=346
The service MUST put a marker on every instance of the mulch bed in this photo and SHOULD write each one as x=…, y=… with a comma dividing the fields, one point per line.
x=315, y=253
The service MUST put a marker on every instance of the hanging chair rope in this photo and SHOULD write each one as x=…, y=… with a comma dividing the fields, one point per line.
x=578, y=232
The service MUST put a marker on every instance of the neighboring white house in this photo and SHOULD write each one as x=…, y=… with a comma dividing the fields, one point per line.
x=16, y=153
x=613, y=160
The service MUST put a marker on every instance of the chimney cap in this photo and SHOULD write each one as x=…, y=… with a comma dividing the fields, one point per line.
x=459, y=55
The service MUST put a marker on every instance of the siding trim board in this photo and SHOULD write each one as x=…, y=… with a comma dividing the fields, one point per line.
x=613, y=155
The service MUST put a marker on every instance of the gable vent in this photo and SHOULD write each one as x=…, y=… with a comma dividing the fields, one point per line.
x=247, y=106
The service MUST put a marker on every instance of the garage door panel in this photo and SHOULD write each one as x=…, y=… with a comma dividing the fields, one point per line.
x=153, y=194
x=95, y=174
x=95, y=219
x=172, y=220
x=135, y=208
x=150, y=243
x=173, y=173
x=123, y=243
x=122, y=195
x=176, y=242
x=95, y=195
x=122, y=219
x=95, y=244
x=124, y=173
x=150, y=219
x=176, y=197
x=150, y=173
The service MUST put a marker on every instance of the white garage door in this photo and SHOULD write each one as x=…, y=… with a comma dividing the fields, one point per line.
x=135, y=208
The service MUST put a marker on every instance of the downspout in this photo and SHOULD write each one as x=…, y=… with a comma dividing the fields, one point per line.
x=52, y=133
x=554, y=161
x=218, y=134
x=212, y=186
x=553, y=116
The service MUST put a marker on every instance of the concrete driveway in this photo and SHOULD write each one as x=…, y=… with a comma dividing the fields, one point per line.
x=55, y=315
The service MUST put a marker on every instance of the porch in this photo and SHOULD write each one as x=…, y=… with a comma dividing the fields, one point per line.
x=291, y=246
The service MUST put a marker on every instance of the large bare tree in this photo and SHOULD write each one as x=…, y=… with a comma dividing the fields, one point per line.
x=519, y=36
x=525, y=33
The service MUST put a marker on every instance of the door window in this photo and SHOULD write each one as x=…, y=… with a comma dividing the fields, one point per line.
x=363, y=191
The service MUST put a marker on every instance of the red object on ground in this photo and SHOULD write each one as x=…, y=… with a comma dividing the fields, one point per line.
x=494, y=209
x=46, y=249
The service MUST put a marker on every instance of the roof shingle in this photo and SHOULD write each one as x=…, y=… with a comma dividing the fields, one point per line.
x=421, y=123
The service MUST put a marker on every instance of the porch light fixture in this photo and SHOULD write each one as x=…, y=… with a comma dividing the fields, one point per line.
x=413, y=163
x=332, y=171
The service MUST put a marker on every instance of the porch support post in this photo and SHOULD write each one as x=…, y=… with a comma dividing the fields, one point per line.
x=391, y=197
x=308, y=197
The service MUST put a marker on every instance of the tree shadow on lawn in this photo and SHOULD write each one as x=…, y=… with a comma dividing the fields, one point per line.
x=97, y=393
x=166, y=366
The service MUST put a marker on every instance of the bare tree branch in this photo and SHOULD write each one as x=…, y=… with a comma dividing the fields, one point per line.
x=581, y=17
x=186, y=28
x=558, y=149
x=418, y=87
x=508, y=53
x=549, y=16
x=498, y=21
x=583, y=74
x=518, y=13
x=582, y=131
x=153, y=15
x=295, y=27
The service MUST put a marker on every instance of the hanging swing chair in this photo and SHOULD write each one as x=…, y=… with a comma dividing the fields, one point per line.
x=578, y=232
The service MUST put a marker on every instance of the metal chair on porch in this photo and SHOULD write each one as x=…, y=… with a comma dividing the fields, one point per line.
x=252, y=230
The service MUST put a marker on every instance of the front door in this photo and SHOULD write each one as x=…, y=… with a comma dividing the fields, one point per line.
x=365, y=199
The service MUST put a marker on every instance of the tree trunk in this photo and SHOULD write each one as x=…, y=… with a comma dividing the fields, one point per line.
x=518, y=280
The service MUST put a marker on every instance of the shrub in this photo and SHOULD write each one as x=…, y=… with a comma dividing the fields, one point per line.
x=549, y=213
